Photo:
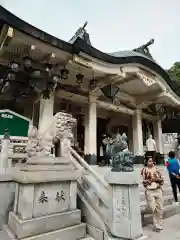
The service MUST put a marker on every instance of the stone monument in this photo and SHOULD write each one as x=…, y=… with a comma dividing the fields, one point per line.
x=46, y=188
x=124, y=211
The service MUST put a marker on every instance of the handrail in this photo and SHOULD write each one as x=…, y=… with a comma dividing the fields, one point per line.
x=104, y=225
x=90, y=169
x=75, y=163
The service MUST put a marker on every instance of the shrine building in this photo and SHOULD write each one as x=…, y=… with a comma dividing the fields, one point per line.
x=125, y=91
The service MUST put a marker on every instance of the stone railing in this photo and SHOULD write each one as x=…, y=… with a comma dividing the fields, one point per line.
x=108, y=203
x=17, y=149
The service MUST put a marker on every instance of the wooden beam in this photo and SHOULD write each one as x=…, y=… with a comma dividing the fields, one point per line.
x=146, y=99
x=103, y=81
x=98, y=66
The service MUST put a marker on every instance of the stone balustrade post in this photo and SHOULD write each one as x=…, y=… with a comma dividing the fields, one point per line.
x=6, y=183
x=4, y=156
x=124, y=206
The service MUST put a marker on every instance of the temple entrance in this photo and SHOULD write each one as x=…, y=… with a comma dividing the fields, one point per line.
x=147, y=128
x=101, y=129
x=80, y=135
x=119, y=129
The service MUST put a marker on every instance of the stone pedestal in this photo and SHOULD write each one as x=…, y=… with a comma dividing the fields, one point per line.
x=45, y=201
x=7, y=192
x=124, y=210
x=46, y=188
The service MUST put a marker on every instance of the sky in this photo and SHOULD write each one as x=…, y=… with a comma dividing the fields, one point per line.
x=113, y=25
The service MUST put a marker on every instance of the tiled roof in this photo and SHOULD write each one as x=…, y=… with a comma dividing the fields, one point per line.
x=129, y=54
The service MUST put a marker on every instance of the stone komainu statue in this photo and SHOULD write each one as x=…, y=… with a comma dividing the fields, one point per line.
x=60, y=129
x=122, y=158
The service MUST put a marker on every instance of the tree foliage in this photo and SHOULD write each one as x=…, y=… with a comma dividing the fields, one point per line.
x=174, y=72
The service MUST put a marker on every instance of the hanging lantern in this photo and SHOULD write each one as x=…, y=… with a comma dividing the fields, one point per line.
x=11, y=76
x=93, y=83
x=79, y=78
x=14, y=67
x=55, y=79
x=64, y=73
x=46, y=93
x=48, y=67
x=36, y=74
x=159, y=107
x=110, y=91
x=27, y=62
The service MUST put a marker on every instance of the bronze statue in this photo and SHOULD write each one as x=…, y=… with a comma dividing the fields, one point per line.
x=122, y=158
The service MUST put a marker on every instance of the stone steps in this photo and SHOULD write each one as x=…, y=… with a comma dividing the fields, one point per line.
x=66, y=225
x=45, y=224
x=169, y=208
x=169, y=211
x=76, y=232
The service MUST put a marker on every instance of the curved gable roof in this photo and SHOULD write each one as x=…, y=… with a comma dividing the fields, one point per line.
x=128, y=54
x=80, y=45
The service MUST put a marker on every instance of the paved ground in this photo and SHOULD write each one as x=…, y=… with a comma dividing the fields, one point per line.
x=171, y=230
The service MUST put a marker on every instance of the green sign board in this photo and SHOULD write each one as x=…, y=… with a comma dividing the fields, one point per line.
x=16, y=124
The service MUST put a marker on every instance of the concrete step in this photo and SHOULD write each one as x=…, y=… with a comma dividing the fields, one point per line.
x=76, y=232
x=27, y=228
x=5, y=236
x=169, y=211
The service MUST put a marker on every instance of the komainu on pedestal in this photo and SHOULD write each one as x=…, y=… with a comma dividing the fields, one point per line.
x=40, y=145
x=122, y=158
x=46, y=188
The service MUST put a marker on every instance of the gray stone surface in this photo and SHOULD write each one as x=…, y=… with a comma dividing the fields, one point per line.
x=7, y=192
x=171, y=230
x=124, y=211
x=95, y=232
x=44, y=224
x=58, y=195
x=169, y=211
x=43, y=176
x=75, y=232
x=127, y=178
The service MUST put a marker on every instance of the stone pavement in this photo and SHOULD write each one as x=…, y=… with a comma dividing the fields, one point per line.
x=171, y=230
